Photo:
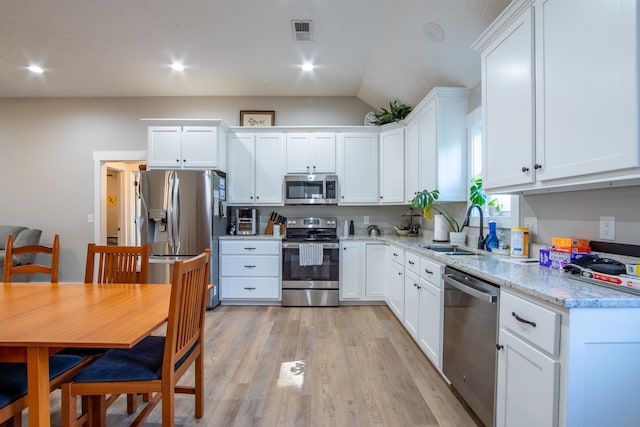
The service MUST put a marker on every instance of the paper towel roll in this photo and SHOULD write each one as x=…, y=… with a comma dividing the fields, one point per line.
x=440, y=229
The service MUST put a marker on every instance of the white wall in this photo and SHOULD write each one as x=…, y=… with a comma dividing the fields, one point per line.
x=47, y=145
x=577, y=213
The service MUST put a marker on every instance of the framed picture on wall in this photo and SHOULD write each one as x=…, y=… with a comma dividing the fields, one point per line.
x=257, y=118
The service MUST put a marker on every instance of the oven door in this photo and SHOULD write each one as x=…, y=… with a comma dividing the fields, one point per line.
x=324, y=276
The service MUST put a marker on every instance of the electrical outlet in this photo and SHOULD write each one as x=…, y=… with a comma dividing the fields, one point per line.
x=90, y=218
x=366, y=220
x=531, y=222
x=608, y=227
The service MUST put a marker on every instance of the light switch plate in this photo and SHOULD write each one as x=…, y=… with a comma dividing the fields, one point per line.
x=366, y=220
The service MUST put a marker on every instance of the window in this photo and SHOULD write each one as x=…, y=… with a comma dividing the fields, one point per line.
x=502, y=208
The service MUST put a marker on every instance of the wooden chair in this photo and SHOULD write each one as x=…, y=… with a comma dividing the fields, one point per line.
x=13, y=384
x=52, y=270
x=156, y=364
x=117, y=264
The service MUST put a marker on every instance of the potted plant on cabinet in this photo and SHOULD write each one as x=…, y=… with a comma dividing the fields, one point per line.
x=395, y=113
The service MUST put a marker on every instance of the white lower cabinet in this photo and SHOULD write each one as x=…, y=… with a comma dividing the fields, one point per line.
x=527, y=387
x=375, y=271
x=362, y=271
x=351, y=270
x=528, y=373
x=412, y=303
x=395, y=281
x=576, y=367
x=249, y=271
x=430, y=327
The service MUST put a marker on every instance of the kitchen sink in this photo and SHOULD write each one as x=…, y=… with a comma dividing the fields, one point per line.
x=448, y=249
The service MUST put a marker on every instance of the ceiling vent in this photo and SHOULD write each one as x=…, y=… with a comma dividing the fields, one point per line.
x=301, y=31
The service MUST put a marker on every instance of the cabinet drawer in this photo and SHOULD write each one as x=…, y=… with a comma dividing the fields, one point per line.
x=249, y=288
x=431, y=272
x=395, y=254
x=251, y=266
x=534, y=323
x=412, y=263
x=249, y=247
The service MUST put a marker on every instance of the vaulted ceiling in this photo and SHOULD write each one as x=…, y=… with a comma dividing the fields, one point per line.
x=377, y=50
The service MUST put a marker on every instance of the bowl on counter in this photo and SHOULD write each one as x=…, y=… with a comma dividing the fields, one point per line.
x=400, y=232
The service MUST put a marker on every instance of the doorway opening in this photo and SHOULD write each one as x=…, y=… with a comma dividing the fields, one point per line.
x=116, y=202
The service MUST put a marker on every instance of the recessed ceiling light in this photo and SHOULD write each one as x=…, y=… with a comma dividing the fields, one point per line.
x=35, y=69
x=177, y=66
x=307, y=66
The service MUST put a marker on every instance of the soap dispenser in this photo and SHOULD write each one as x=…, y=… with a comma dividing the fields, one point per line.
x=492, y=241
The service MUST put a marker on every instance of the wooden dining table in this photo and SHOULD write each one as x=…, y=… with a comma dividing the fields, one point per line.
x=38, y=319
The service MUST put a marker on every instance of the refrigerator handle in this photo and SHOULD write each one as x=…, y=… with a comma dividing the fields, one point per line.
x=170, y=217
x=176, y=215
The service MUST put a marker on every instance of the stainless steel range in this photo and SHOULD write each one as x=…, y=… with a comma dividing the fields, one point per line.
x=311, y=263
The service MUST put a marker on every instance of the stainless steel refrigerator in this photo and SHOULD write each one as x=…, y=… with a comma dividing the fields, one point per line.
x=182, y=214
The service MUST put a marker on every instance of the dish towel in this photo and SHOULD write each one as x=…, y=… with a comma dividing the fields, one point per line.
x=310, y=254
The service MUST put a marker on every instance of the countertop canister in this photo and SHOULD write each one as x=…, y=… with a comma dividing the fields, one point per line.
x=519, y=242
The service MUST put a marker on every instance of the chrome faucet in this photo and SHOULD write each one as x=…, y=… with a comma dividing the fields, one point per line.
x=481, y=238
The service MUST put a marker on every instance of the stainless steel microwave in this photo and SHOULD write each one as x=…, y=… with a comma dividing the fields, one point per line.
x=314, y=189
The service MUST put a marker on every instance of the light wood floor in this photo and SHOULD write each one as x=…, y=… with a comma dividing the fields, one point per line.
x=281, y=366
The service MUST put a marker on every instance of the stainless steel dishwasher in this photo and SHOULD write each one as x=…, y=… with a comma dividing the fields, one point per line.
x=470, y=337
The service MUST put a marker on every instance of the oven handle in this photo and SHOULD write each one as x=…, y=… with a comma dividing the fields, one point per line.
x=297, y=245
x=486, y=297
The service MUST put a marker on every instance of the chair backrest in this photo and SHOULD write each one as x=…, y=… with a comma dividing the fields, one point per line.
x=187, y=308
x=52, y=270
x=117, y=264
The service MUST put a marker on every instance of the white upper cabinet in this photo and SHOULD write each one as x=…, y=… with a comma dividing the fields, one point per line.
x=411, y=160
x=256, y=168
x=508, y=106
x=187, y=147
x=436, y=132
x=310, y=153
x=392, y=166
x=358, y=168
x=560, y=102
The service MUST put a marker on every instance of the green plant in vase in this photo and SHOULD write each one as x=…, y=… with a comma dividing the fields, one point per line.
x=426, y=200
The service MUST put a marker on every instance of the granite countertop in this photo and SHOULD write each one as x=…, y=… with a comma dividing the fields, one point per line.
x=547, y=284
x=250, y=237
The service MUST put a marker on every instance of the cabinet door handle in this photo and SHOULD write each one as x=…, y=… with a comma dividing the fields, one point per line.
x=249, y=266
x=537, y=166
x=520, y=319
x=399, y=274
x=426, y=270
x=499, y=346
x=177, y=160
x=249, y=289
x=395, y=254
x=525, y=169
x=412, y=263
x=249, y=249
x=381, y=197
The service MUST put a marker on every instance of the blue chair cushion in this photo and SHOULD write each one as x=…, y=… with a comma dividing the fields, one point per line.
x=139, y=363
x=13, y=376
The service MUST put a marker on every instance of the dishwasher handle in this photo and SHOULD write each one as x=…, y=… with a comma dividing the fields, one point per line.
x=484, y=295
